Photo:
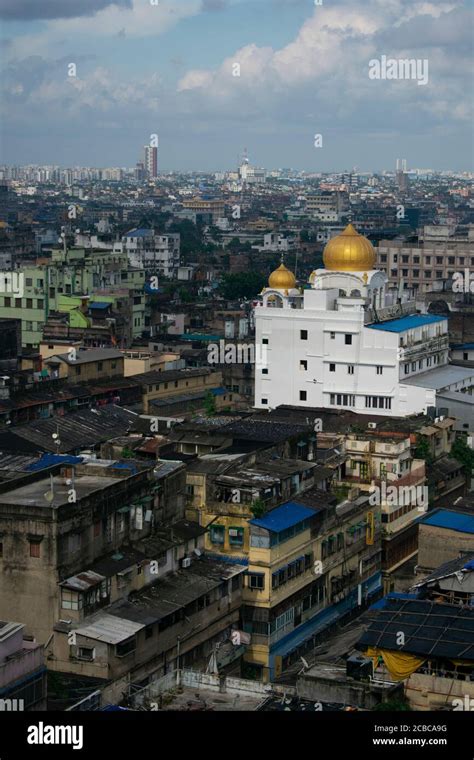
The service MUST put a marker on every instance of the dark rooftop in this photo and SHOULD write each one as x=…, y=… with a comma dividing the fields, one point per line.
x=431, y=629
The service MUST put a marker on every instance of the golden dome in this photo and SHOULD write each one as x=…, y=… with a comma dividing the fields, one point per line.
x=349, y=252
x=282, y=279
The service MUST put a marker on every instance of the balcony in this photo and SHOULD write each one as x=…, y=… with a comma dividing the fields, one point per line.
x=424, y=347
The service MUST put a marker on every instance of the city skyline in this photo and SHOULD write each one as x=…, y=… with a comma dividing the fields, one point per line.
x=276, y=75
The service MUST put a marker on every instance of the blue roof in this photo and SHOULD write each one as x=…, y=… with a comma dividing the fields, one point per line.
x=99, y=305
x=139, y=232
x=407, y=323
x=460, y=346
x=445, y=518
x=48, y=460
x=284, y=517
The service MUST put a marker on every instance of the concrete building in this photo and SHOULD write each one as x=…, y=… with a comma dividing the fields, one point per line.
x=22, y=670
x=54, y=526
x=308, y=567
x=341, y=343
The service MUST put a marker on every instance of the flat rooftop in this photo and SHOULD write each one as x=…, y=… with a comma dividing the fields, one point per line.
x=409, y=322
x=442, y=377
x=33, y=494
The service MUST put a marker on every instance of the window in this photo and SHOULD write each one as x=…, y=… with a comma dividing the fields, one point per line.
x=438, y=274
x=236, y=536
x=303, y=335
x=85, y=653
x=29, y=303
x=40, y=303
x=465, y=356
x=35, y=548
x=406, y=369
x=28, y=282
x=379, y=369
x=265, y=341
x=7, y=301
x=350, y=369
x=348, y=340
x=265, y=371
x=332, y=368
x=149, y=631
x=303, y=365
x=70, y=600
x=332, y=335
x=125, y=647
x=217, y=535
x=17, y=303
x=257, y=580
x=303, y=395
x=264, y=401
x=1, y=548
x=100, y=366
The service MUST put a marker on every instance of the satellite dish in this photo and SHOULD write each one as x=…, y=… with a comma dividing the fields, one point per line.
x=48, y=496
x=304, y=663
x=197, y=552
x=55, y=435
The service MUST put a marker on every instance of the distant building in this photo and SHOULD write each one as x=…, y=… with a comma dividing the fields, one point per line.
x=151, y=161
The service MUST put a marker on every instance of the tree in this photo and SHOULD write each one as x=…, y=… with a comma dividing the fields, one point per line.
x=464, y=454
x=241, y=285
x=210, y=404
x=257, y=508
x=423, y=449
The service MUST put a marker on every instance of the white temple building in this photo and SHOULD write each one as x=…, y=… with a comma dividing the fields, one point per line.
x=343, y=342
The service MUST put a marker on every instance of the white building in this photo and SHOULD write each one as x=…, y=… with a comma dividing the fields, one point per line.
x=156, y=253
x=341, y=343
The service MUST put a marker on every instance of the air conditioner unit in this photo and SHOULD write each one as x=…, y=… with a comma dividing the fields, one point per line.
x=372, y=425
x=186, y=562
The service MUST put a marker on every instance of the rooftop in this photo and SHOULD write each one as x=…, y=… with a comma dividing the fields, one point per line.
x=449, y=519
x=431, y=629
x=86, y=356
x=442, y=377
x=410, y=322
x=284, y=517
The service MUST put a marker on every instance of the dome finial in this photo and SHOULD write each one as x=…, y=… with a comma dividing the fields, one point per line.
x=349, y=252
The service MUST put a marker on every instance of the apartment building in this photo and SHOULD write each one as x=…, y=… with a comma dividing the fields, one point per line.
x=55, y=523
x=311, y=562
x=424, y=267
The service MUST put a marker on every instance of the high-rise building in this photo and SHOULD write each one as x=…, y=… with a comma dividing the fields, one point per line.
x=151, y=161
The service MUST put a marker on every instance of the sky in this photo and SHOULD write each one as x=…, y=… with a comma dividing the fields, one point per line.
x=212, y=77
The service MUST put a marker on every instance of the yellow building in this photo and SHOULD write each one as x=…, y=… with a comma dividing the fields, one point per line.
x=308, y=567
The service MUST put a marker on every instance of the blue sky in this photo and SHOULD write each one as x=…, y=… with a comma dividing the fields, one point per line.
x=167, y=69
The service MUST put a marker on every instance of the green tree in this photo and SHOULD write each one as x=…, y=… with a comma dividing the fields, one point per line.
x=423, y=449
x=241, y=285
x=258, y=508
x=210, y=404
x=464, y=454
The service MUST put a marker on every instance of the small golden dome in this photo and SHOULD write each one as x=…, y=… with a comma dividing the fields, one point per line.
x=349, y=252
x=282, y=279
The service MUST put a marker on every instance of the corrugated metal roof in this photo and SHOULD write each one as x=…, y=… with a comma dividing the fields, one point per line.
x=445, y=518
x=284, y=517
x=407, y=323
x=110, y=629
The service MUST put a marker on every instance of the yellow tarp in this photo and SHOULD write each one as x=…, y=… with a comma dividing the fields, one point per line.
x=400, y=665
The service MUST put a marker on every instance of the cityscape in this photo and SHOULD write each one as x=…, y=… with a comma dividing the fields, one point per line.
x=237, y=370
